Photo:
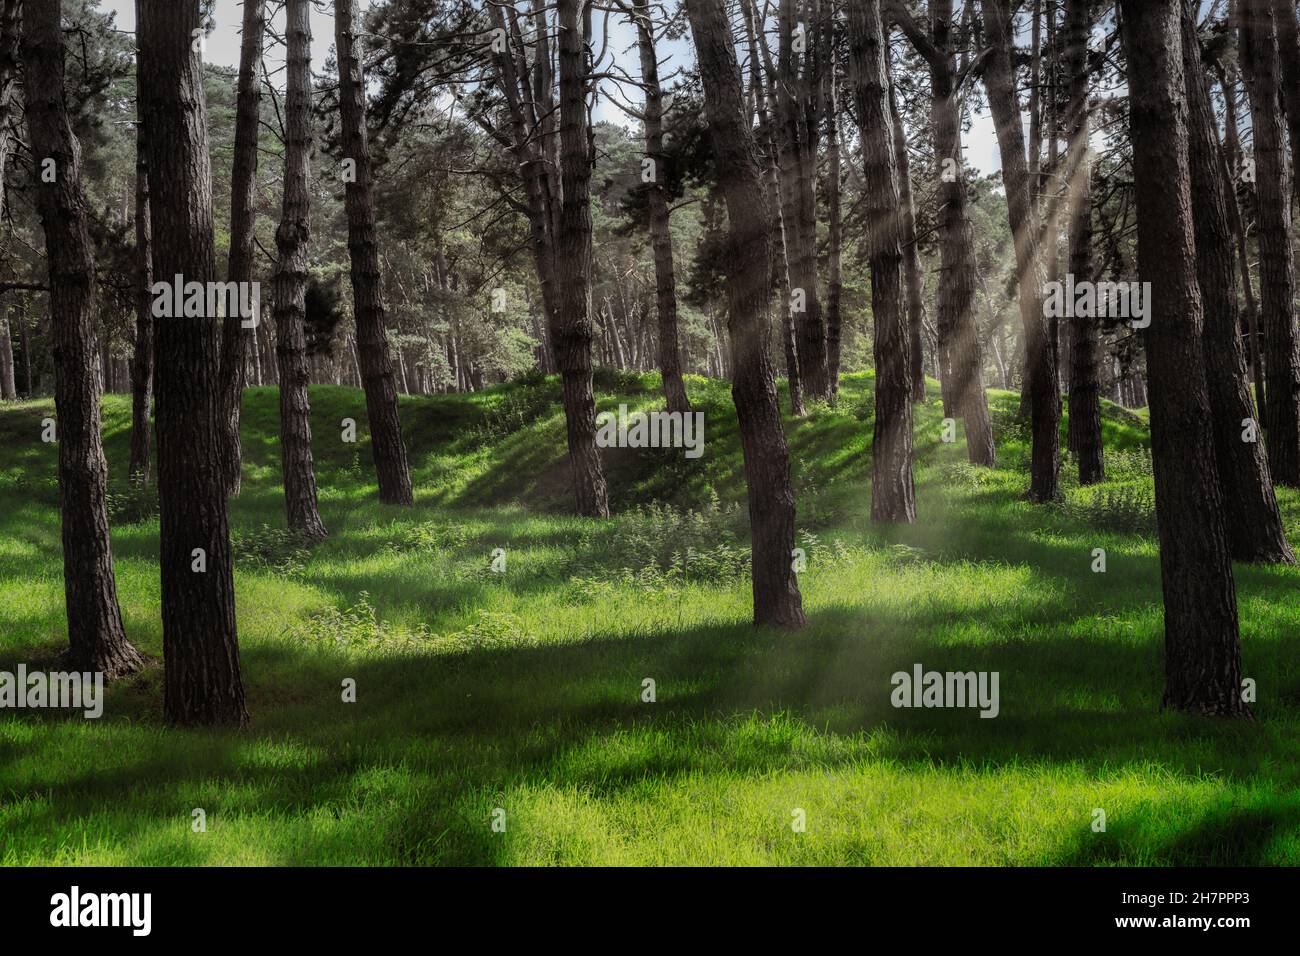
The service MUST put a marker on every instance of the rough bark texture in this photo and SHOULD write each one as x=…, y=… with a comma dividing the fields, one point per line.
x=1288, y=47
x=893, y=494
x=834, y=238
x=96, y=638
x=1084, y=434
x=572, y=334
x=1040, y=361
x=911, y=254
x=1254, y=524
x=740, y=180
x=670, y=359
x=290, y=286
x=960, y=355
x=142, y=358
x=11, y=13
x=202, y=681
x=1273, y=227
x=243, y=220
x=377, y=378
x=8, y=391
x=1202, y=646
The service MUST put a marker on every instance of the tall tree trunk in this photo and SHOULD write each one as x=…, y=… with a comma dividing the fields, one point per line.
x=96, y=638
x=1202, y=644
x=1040, y=361
x=1254, y=524
x=670, y=360
x=1288, y=46
x=142, y=358
x=243, y=221
x=389, y=450
x=911, y=254
x=835, y=236
x=291, y=240
x=959, y=355
x=10, y=35
x=202, y=681
x=1273, y=226
x=1084, y=433
x=8, y=392
x=740, y=180
x=893, y=494
x=573, y=330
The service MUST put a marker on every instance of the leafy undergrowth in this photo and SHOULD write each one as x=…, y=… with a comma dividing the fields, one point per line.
x=501, y=651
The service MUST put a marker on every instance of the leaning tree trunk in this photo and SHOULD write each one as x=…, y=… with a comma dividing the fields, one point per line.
x=835, y=239
x=1202, y=643
x=893, y=494
x=1273, y=226
x=96, y=638
x=142, y=358
x=202, y=681
x=670, y=359
x=911, y=254
x=1040, y=358
x=391, y=467
x=740, y=180
x=290, y=285
x=243, y=221
x=1084, y=435
x=1254, y=524
x=573, y=324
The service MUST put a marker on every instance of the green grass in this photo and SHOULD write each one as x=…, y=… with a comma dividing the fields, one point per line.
x=522, y=691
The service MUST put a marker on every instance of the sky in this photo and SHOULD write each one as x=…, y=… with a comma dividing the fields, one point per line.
x=223, y=49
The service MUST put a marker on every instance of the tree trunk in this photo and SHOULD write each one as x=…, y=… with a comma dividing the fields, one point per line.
x=243, y=221
x=8, y=391
x=835, y=238
x=740, y=180
x=670, y=361
x=1273, y=227
x=389, y=450
x=1084, y=433
x=1040, y=360
x=1254, y=524
x=1288, y=46
x=142, y=358
x=10, y=36
x=893, y=494
x=290, y=286
x=573, y=324
x=1202, y=644
x=911, y=254
x=96, y=638
x=202, y=681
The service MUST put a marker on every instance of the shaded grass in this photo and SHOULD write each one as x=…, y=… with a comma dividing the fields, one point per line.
x=523, y=691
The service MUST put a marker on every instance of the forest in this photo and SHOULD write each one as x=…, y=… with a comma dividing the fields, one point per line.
x=649, y=432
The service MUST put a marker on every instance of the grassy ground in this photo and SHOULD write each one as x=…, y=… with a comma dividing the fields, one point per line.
x=523, y=690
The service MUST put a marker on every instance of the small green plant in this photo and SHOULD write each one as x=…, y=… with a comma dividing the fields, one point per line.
x=275, y=549
x=1125, y=509
x=131, y=503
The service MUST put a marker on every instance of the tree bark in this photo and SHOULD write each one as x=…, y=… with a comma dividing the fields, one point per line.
x=1253, y=522
x=911, y=254
x=893, y=493
x=1202, y=644
x=10, y=35
x=202, y=681
x=1273, y=227
x=670, y=360
x=573, y=327
x=142, y=357
x=1288, y=46
x=1040, y=361
x=8, y=391
x=740, y=180
x=96, y=639
x=835, y=236
x=290, y=285
x=243, y=221
x=386, y=442
x=1084, y=432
